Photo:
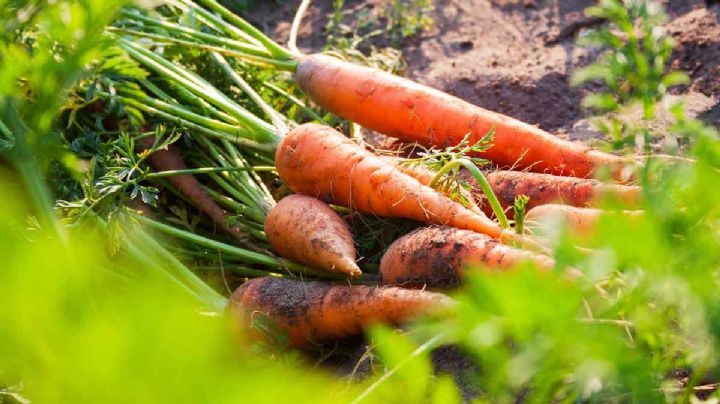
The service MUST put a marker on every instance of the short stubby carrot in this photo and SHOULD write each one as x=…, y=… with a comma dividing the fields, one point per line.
x=306, y=230
x=316, y=312
x=544, y=189
x=437, y=257
x=412, y=112
x=319, y=161
x=580, y=220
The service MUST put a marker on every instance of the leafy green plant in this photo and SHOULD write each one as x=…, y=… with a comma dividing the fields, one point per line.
x=633, y=67
x=394, y=23
x=407, y=18
x=447, y=164
x=49, y=45
x=519, y=211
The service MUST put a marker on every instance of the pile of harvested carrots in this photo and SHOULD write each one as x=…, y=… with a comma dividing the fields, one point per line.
x=322, y=166
x=326, y=170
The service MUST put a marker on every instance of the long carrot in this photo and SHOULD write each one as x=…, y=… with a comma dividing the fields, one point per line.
x=402, y=108
x=319, y=161
x=316, y=312
x=438, y=256
x=188, y=185
x=543, y=189
x=306, y=230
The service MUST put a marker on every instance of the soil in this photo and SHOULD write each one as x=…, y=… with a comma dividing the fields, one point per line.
x=516, y=57
x=505, y=55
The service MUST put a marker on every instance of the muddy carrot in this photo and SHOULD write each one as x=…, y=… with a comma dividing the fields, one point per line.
x=316, y=312
x=544, y=189
x=438, y=256
x=306, y=230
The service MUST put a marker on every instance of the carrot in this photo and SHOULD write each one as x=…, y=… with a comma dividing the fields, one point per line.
x=401, y=108
x=545, y=188
x=426, y=177
x=437, y=257
x=579, y=220
x=306, y=230
x=319, y=161
x=316, y=312
x=188, y=185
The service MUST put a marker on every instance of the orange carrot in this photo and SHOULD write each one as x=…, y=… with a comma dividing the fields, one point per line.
x=438, y=256
x=401, y=108
x=316, y=312
x=319, y=161
x=306, y=230
x=545, y=188
x=188, y=185
x=579, y=220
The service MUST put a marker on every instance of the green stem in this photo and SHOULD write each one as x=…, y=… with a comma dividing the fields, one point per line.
x=29, y=169
x=202, y=36
x=214, y=132
x=145, y=250
x=294, y=100
x=275, y=117
x=241, y=182
x=256, y=186
x=246, y=255
x=180, y=271
x=274, y=49
x=205, y=107
x=238, y=270
x=482, y=182
x=182, y=112
x=203, y=170
x=213, y=21
x=248, y=57
x=261, y=130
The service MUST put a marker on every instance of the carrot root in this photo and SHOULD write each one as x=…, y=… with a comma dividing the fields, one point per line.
x=316, y=312
x=438, y=256
x=306, y=230
x=401, y=108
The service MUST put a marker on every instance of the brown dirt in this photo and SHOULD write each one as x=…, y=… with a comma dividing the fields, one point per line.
x=499, y=54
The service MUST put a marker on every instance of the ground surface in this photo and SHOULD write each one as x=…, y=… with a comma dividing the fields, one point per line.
x=505, y=55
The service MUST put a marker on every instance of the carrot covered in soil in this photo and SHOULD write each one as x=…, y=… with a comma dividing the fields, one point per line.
x=319, y=161
x=306, y=230
x=316, y=312
x=438, y=256
x=188, y=185
x=412, y=112
x=579, y=220
x=544, y=189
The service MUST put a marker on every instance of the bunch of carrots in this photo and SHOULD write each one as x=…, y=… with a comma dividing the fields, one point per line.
x=329, y=173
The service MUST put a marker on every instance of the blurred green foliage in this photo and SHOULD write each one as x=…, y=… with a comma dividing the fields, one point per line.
x=83, y=323
x=632, y=67
x=78, y=325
